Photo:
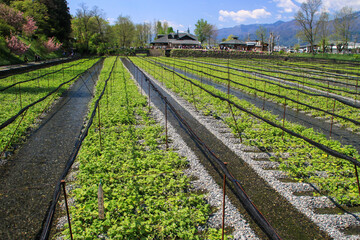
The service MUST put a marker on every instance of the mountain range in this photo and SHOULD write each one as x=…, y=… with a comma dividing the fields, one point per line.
x=285, y=30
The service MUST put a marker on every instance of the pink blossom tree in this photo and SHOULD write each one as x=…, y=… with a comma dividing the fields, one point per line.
x=29, y=27
x=51, y=45
x=12, y=17
x=20, y=23
x=16, y=46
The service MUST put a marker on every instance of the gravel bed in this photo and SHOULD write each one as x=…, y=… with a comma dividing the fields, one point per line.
x=330, y=223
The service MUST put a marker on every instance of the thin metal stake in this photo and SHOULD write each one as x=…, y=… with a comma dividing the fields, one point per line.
x=357, y=82
x=223, y=209
x=357, y=178
x=228, y=91
x=264, y=96
x=284, y=119
x=149, y=94
x=99, y=126
x=193, y=95
x=332, y=118
x=20, y=96
x=166, y=129
x=67, y=208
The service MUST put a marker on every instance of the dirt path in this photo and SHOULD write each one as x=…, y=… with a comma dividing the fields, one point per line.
x=27, y=181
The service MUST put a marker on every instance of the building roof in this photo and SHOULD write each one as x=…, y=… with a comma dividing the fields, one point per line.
x=177, y=39
x=234, y=41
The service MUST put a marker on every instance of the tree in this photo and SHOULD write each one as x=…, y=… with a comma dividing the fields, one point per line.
x=59, y=19
x=125, y=31
x=159, y=29
x=170, y=30
x=343, y=23
x=308, y=21
x=98, y=15
x=271, y=42
x=324, y=31
x=51, y=45
x=230, y=37
x=143, y=34
x=203, y=30
x=13, y=23
x=16, y=46
x=261, y=33
x=81, y=27
x=213, y=33
x=34, y=9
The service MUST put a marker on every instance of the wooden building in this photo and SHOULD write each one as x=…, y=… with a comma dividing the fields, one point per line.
x=176, y=40
x=236, y=44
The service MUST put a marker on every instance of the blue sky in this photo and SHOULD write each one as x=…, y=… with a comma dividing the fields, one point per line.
x=222, y=13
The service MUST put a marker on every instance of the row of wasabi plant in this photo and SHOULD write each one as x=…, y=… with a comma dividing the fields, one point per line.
x=146, y=194
x=20, y=90
x=301, y=161
x=272, y=90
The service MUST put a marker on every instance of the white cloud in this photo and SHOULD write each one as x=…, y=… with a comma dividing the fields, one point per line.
x=243, y=15
x=335, y=5
x=287, y=5
x=174, y=25
x=111, y=21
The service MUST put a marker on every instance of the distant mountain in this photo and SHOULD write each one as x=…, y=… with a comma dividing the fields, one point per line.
x=286, y=31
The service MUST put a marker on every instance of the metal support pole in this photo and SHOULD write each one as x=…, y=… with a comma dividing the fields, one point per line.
x=166, y=129
x=357, y=178
x=223, y=209
x=20, y=96
x=356, y=89
x=264, y=96
x=67, y=208
x=284, y=119
x=332, y=118
x=193, y=95
x=99, y=126
x=149, y=94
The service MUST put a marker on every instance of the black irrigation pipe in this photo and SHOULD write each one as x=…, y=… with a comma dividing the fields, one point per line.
x=299, y=70
x=310, y=141
x=13, y=118
x=287, y=98
x=301, y=76
x=339, y=99
x=269, y=76
x=50, y=215
x=31, y=67
x=44, y=75
x=285, y=79
x=326, y=72
x=239, y=191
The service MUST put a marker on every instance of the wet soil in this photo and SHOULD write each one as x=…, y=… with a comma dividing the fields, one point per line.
x=288, y=221
x=28, y=179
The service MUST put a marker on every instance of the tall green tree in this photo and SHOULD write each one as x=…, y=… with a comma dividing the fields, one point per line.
x=308, y=20
x=34, y=9
x=82, y=27
x=59, y=19
x=142, y=34
x=324, y=30
x=125, y=31
x=203, y=30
